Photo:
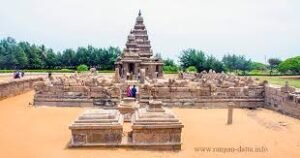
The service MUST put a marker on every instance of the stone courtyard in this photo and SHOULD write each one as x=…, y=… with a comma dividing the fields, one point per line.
x=168, y=113
x=152, y=123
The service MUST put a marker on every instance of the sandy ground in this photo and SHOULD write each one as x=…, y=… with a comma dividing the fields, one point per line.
x=42, y=132
x=5, y=77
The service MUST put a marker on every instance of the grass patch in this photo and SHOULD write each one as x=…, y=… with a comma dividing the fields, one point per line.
x=280, y=80
x=106, y=71
x=170, y=72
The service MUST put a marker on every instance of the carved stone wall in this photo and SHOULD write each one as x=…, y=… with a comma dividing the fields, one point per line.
x=285, y=100
x=182, y=93
x=78, y=90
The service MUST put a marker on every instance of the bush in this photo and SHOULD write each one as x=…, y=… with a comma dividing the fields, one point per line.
x=173, y=69
x=191, y=69
x=82, y=68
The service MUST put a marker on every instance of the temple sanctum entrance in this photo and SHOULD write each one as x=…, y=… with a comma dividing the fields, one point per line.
x=131, y=71
x=131, y=68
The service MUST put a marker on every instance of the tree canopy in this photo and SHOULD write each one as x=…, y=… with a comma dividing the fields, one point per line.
x=170, y=66
x=200, y=61
x=24, y=55
x=273, y=63
x=290, y=64
x=234, y=62
x=258, y=66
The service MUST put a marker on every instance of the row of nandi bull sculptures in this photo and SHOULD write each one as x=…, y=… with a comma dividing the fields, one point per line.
x=83, y=89
x=188, y=89
x=206, y=89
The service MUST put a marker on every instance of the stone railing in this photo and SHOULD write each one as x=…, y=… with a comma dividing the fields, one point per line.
x=18, y=86
x=285, y=100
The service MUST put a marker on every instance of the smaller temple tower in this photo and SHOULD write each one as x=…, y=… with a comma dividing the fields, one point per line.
x=138, y=55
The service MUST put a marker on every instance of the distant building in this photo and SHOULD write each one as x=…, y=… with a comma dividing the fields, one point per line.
x=138, y=54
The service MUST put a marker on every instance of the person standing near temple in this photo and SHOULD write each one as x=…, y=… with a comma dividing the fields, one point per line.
x=22, y=73
x=128, y=91
x=133, y=91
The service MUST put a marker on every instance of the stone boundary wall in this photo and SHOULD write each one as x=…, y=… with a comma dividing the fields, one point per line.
x=17, y=86
x=284, y=100
x=203, y=97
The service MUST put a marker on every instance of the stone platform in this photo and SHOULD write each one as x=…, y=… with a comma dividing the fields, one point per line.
x=155, y=125
x=127, y=107
x=96, y=126
x=151, y=128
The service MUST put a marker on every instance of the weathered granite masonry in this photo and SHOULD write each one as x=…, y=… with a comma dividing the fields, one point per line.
x=136, y=60
x=285, y=100
x=78, y=90
x=96, y=127
x=205, y=90
x=155, y=125
x=18, y=86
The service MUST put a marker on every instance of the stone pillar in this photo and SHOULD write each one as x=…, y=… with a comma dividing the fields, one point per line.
x=125, y=67
x=142, y=75
x=136, y=65
x=117, y=75
x=161, y=71
x=230, y=113
x=153, y=72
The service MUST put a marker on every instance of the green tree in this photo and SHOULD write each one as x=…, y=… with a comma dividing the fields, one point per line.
x=68, y=58
x=11, y=55
x=244, y=64
x=192, y=57
x=230, y=62
x=214, y=64
x=170, y=66
x=169, y=62
x=273, y=63
x=51, y=59
x=236, y=62
x=290, y=64
x=258, y=66
x=107, y=57
x=20, y=56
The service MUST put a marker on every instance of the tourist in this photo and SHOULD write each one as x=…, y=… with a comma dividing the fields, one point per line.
x=133, y=91
x=17, y=75
x=128, y=91
x=139, y=76
x=50, y=75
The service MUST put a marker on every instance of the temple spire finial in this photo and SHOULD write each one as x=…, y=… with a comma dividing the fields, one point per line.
x=140, y=13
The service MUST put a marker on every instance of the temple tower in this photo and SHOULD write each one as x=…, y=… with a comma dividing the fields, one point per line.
x=137, y=54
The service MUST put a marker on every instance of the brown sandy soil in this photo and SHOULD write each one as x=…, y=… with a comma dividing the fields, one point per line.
x=9, y=76
x=42, y=132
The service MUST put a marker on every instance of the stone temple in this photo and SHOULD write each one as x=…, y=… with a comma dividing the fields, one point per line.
x=137, y=56
x=148, y=117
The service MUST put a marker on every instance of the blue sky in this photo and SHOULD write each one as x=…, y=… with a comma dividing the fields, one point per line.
x=255, y=28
